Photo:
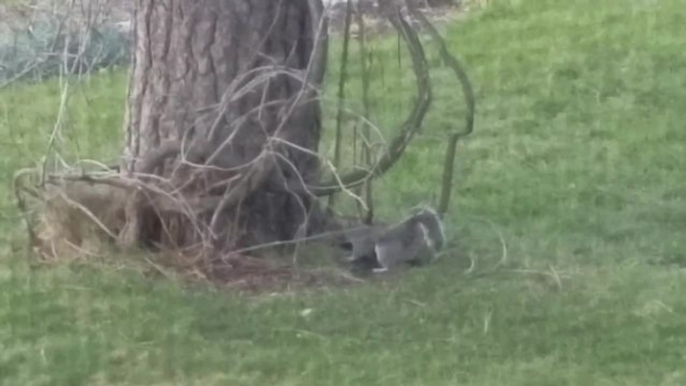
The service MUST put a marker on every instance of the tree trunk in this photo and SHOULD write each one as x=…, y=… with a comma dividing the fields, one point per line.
x=441, y=3
x=219, y=118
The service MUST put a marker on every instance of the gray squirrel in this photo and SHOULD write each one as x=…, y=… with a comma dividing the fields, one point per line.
x=415, y=240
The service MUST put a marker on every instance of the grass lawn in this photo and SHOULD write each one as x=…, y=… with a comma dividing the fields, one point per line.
x=577, y=167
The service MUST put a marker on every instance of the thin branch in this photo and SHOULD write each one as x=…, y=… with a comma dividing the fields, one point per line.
x=341, y=94
x=468, y=91
x=409, y=127
x=366, y=82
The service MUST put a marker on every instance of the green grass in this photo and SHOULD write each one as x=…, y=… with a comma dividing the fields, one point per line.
x=577, y=162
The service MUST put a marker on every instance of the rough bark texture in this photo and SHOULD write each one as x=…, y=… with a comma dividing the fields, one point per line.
x=441, y=3
x=204, y=78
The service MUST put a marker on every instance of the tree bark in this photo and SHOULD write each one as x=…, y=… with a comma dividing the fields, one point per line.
x=441, y=3
x=222, y=111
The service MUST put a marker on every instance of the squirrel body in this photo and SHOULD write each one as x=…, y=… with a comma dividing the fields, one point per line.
x=415, y=240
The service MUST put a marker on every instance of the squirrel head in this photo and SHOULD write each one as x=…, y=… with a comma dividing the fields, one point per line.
x=423, y=209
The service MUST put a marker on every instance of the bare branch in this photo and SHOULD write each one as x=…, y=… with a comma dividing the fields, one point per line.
x=409, y=127
x=366, y=153
x=468, y=91
x=341, y=94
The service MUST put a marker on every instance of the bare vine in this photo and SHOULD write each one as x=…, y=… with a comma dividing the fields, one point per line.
x=366, y=133
x=341, y=93
x=468, y=92
x=412, y=123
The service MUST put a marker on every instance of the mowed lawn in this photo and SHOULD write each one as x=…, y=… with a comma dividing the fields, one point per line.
x=575, y=176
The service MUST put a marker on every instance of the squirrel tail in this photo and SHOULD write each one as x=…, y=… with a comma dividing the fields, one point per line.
x=432, y=221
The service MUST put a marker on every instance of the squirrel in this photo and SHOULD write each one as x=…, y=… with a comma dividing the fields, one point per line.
x=415, y=240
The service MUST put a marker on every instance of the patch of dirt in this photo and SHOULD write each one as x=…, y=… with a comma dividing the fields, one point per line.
x=257, y=275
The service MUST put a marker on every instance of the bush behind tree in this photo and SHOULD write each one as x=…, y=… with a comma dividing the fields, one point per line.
x=38, y=52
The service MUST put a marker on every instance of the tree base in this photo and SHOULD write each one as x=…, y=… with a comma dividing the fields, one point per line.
x=82, y=217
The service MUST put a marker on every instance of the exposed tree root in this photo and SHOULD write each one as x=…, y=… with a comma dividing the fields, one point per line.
x=82, y=217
